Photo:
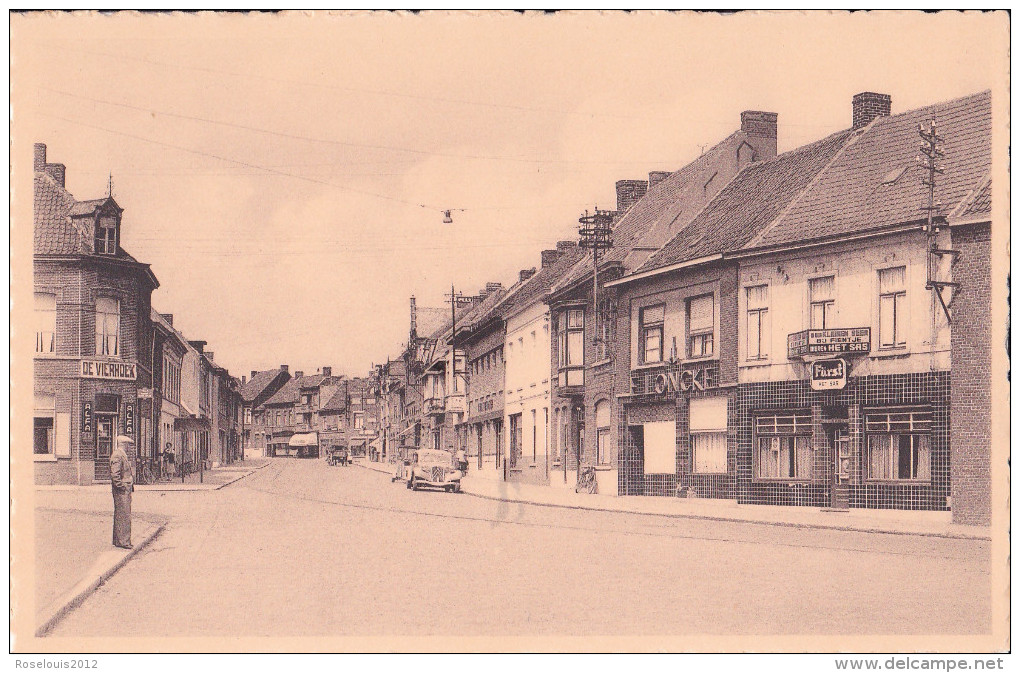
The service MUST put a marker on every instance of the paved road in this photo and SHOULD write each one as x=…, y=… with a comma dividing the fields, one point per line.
x=303, y=549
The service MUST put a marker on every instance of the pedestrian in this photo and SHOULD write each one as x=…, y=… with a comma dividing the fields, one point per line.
x=462, y=463
x=122, y=481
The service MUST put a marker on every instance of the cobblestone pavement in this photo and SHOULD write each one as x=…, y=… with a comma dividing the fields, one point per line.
x=303, y=549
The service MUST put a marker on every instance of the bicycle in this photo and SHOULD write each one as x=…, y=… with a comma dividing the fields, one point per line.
x=145, y=475
x=586, y=482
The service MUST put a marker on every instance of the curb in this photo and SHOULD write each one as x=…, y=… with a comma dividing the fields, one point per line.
x=706, y=517
x=63, y=605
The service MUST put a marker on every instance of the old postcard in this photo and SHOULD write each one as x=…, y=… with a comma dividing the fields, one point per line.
x=474, y=332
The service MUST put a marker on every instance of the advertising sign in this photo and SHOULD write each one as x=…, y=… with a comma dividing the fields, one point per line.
x=671, y=380
x=86, y=417
x=828, y=374
x=99, y=369
x=129, y=419
x=829, y=341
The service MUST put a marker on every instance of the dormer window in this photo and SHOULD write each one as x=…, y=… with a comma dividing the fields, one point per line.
x=106, y=235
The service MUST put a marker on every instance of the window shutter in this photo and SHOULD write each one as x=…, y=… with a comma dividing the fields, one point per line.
x=708, y=414
x=702, y=313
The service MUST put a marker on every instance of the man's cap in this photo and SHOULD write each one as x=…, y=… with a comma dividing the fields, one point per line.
x=124, y=439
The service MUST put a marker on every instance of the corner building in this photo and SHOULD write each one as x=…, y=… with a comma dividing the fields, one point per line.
x=93, y=336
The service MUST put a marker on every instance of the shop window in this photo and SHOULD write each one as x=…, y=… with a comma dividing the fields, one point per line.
x=359, y=421
x=899, y=445
x=651, y=320
x=758, y=329
x=43, y=444
x=45, y=323
x=106, y=235
x=892, y=301
x=822, y=295
x=602, y=433
x=107, y=326
x=784, y=449
x=660, y=447
x=701, y=326
x=708, y=434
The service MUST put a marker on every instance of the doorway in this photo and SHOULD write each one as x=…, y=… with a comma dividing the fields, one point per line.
x=634, y=477
x=838, y=436
x=105, y=425
x=516, y=440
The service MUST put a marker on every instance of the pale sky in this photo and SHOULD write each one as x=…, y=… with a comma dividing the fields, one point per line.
x=273, y=168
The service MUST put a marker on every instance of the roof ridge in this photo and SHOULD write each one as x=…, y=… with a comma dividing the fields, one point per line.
x=850, y=140
x=942, y=103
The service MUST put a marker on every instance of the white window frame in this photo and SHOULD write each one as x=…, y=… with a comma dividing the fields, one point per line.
x=900, y=306
x=892, y=425
x=45, y=324
x=827, y=305
x=764, y=326
x=103, y=326
x=708, y=426
x=793, y=428
x=106, y=235
x=644, y=330
x=703, y=332
x=45, y=408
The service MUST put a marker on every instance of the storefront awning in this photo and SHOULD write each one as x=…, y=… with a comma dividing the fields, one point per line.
x=306, y=439
x=191, y=423
x=408, y=430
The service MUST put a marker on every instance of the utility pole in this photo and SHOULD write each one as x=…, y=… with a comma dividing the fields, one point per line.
x=596, y=235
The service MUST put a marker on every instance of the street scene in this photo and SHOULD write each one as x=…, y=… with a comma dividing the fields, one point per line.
x=348, y=326
x=300, y=548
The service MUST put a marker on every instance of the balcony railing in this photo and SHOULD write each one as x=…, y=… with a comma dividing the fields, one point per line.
x=434, y=405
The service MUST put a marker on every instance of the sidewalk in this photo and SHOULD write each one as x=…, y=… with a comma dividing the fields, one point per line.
x=936, y=524
x=78, y=540
x=209, y=480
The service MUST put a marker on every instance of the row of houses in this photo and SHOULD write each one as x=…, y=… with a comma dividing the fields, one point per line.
x=106, y=363
x=783, y=329
x=308, y=415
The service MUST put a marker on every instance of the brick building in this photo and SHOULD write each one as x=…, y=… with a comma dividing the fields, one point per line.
x=843, y=350
x=93, y=359
x=254, y=393
x=647, y=215
x=291, y=416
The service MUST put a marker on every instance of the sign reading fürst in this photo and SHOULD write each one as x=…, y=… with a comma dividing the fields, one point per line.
x=98, y=369
x=828, y=374
x=829, y=341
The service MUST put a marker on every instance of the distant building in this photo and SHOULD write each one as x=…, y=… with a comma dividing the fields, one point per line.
x=254, y=393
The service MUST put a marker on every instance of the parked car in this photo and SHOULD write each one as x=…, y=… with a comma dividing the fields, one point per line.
x=432, y=468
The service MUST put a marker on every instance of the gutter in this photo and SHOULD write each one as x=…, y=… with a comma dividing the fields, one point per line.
x=894, y=229
x=665, y=269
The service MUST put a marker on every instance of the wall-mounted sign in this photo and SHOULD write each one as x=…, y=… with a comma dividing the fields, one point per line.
x=86, y=417
x=129, y=419
x=98, y=369
x=145, y=393
x=828, y=374
x=671, y=380
x=829, y=342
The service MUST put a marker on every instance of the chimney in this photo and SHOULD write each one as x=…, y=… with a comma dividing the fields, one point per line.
x=57, y=172
x=629, y=191
x=762, y=127
x=198, y=345
x=285, y=368
x=243, y=379
x=211, y=355
x=39, y=159
x=169, y=317
x=253, y=373
x=327, y=371
x=655, y=177
x=493, y=287
x=549, y=257
x=526, y=274
x=869, y=106
x=298, y=374
x=564, y=246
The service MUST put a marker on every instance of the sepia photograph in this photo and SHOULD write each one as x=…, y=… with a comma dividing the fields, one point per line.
x=504, y=332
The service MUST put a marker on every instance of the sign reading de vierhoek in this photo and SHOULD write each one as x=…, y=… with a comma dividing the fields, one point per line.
x=825, y=341
x=99, y=369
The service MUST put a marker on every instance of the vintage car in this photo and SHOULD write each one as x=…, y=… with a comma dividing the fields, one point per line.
x=431, y=468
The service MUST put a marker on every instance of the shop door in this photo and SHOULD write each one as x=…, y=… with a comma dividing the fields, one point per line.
x=839, y=439
x=634, y=479
x=104, y=445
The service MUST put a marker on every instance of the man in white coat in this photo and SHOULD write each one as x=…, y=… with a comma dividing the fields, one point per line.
x=122, y=481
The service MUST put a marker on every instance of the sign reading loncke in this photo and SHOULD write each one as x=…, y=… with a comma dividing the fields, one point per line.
x=855, y=340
